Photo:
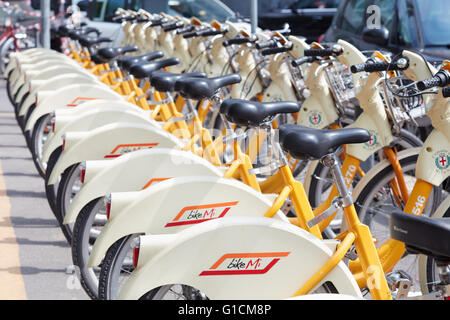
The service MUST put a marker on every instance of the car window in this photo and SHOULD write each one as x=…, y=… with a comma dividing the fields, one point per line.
x=205, y=10
x=435, y=22
x=407, y=31
x=307, y=4
x=387, y=12
x=113, y=5
x=353, y=15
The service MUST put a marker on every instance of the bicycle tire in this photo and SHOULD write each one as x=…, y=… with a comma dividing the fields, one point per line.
x=371, y=209
x=35, y=144
x=110, y=266
x=81, y=239
x=51, y=190
x=427, y=265
x=66, y=178
x=320, y=171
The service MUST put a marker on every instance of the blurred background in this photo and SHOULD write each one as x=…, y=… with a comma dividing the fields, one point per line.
x=393, y=25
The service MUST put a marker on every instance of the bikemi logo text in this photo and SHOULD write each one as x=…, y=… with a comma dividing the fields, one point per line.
x=201, y=213
x=126, y=148
x=244, y=263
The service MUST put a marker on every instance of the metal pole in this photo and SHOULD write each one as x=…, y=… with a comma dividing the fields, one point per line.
x=45, y=23
x=254, y=15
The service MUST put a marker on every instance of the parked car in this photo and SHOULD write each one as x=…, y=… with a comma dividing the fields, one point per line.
x=307, y=18
x=420, y=25
x=102, y=12
x=205, y=10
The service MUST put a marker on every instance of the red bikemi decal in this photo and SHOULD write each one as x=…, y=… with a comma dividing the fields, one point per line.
x=244, y=263
x=79, y=101
x=197, y=214
x=125, y=148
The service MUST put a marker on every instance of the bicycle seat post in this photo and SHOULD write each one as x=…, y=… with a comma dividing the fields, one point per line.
x=330, y=161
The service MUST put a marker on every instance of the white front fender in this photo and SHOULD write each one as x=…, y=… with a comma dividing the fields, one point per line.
x=33, y=99
x=98, y=114
x=55, y=83
x=44, y=76
x=136, y=171
x=70, y=96
x=175, y=204
x=236, y=258
x=15, y=58
x=111, y=141
x=29, y=71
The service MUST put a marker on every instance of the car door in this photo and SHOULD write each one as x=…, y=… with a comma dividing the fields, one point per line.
x=407, y=34
x=350, y=21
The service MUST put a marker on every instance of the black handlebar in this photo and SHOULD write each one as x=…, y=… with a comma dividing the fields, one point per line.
x=169, y=26
x=372, y=66
x=336, y=51
x=302, y=60
x=186, y=29
x=238, y=40
x=266, y=44
x=440, y=79
x=142, y=19
x=210, y=32
x=190, y=35
x=269, y=51
x=446, y=92
x=157, y=22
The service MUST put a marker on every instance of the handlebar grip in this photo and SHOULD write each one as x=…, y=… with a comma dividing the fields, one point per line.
x=209, y=32
x=190, y=35
x=400, y=64
x=142, y=19
x=240, y=40
x=440, y=79
x=446, y=92
x=185, y=29
x=322, y=52
x=157, y=22
x=266, y=44
x=172, y=26
x=269, y=51
x=303, y=60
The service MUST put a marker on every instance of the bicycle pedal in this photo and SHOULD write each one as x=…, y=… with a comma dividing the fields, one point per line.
x=399, y=282
x=352, y=254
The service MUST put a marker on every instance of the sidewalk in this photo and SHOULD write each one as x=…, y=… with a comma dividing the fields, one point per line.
x=36, y=259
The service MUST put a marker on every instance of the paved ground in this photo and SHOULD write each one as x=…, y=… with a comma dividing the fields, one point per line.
x=36, y=260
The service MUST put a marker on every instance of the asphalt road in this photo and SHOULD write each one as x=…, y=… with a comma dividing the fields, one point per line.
x=36, y=261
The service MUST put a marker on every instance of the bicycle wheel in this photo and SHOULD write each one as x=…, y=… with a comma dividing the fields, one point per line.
x=375, y=200
x=174, y=292
x=86, y=229
x=40, y=133
x=68, y=187
x=428, y=274
x=321, y=181
x=52, y=189
x=6, y=48
x=116, y=268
